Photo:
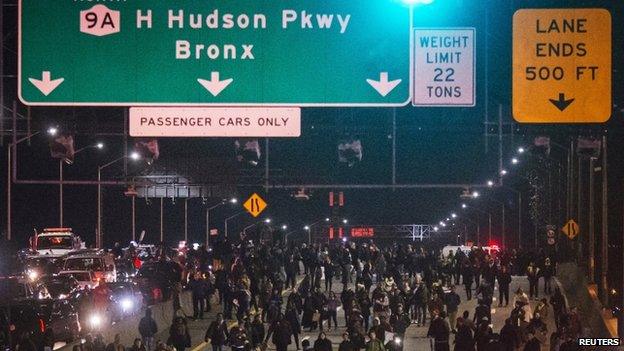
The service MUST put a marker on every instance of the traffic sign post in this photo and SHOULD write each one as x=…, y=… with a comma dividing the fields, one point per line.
x=444, y=67
x=255, y=205
x=571, y=229
x=562, y=65
x=225, y=53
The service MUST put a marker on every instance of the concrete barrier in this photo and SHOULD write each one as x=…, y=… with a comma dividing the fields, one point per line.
x=575, y=286
x=128, y=328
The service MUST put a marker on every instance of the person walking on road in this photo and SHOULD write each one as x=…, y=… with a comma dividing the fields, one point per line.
x=533, y=277
x=198, y=289
x=179, y=336
x=504, y=280
x=374, y=344
x=346, y=344
x=217, y=333
x=548, y=272
x=463, y=338
x=281, y=331
x=452, y=301
x=148, y=329
x=439, y=331
x=322, y=343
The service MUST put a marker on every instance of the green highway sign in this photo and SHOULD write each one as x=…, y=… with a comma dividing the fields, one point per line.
x=218, y=52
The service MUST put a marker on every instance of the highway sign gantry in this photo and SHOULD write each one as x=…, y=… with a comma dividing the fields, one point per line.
x=220, y=53
x=562, y=65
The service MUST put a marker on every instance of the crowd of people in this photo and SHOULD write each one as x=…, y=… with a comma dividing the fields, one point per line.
x=269, y=293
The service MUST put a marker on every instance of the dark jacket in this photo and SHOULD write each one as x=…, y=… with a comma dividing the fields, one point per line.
x=452, y=301
x=217, y=333
x=148, y=327
x=322, y=345
x=281, y=332
x=346, y=345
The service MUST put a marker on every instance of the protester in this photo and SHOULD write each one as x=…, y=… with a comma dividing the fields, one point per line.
x=148, y=329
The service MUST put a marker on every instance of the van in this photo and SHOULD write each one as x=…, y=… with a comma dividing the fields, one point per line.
x=100, y=264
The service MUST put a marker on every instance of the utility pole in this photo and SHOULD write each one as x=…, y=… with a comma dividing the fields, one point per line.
x=605, y=226
x=61, y=193
x=592, y=278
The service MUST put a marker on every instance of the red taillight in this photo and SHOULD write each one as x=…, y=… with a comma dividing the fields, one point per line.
x=42, y=325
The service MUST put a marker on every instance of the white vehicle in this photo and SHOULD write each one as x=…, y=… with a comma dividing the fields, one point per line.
x=85, y=279
x=102, y=265
x=56, y=242
x=466, y=249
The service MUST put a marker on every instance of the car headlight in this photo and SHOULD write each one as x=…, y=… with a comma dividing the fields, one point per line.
x=95, y=320
x=126, y=304
x=33, y=275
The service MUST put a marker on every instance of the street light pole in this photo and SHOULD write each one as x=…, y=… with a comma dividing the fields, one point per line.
x=98, y=238
x=223, y=202
x=227, y=219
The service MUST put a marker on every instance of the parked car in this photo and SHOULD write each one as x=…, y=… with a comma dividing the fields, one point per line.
x=60, y=286
x=59, y=316
x=102, y=265
x=13, y=287
x=156, y=280
x=85, y=279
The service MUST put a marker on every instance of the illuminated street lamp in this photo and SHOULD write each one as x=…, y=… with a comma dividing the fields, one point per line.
x=53, y=131
x=490, y=183
x=503, y=172
x=521, y=150
x=475, y=194
x=514, y=161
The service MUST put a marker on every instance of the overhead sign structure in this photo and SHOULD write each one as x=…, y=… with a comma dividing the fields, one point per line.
x=444, y=67
x=215, y=121
x=220, y=53
x=562, y=65
x=571, y=229
x=255, y=205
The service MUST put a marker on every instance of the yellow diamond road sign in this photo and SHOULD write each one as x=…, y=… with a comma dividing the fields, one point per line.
x=562, y=65
x=571, y=229
x=255, y=205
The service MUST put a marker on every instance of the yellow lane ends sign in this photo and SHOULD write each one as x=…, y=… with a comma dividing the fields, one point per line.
x=562, y=65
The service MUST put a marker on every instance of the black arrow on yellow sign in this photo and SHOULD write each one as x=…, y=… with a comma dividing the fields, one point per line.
x=562, y=103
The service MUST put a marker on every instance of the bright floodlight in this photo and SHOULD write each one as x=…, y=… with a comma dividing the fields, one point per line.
x=490, y=183
x=126, y=304
x=475, y=194
x=95, y=320
x=233, y=200
x=464, y=206
x=53, y=131
x=441, y=223
x=135, y=156
x=99, y=146
x=521, y=150
x=503, y=172
x=344, y=221
x=326, y=219
x=453, y=215
x=307, y=227
x=514, y=161
x=418, y=2
x=435, y=229
x=267, y=221
x=284, y=227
